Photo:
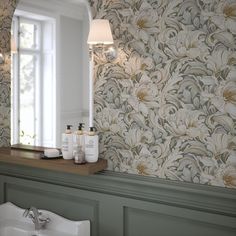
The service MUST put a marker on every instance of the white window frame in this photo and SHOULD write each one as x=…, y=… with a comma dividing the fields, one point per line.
x=44, y=137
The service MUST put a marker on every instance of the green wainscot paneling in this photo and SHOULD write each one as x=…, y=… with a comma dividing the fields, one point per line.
x=123, y=205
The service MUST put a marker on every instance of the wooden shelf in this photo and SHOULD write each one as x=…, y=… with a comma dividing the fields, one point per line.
x=30, y=156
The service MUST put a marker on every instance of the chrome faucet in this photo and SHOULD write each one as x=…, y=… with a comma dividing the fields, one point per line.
x=37, y=218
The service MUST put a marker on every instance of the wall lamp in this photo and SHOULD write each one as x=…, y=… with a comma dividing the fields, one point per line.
x=100, y=32
x=100, y=40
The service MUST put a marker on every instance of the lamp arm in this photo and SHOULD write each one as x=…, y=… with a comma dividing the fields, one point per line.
x=91, y=87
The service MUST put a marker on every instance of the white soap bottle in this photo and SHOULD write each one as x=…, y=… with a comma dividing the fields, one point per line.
x=91, y=146
x=67, y=143
x=79, y=145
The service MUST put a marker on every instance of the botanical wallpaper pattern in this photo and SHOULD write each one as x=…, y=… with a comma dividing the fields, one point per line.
x=7, y=8
x=167, y=106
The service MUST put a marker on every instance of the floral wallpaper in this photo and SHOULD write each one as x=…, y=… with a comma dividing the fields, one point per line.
x=167, y=106
x=7, y=8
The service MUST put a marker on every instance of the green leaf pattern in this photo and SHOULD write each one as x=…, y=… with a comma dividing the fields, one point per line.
x=167, y=106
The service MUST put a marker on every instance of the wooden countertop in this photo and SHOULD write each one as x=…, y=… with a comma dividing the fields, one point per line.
x=30, y=156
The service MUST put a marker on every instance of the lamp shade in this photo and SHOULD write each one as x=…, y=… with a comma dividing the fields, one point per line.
x=100, y=32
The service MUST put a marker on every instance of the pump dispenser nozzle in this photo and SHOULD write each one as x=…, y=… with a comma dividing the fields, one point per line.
x=91, y=131
x=68, y=129
x=69, y=126
x=81, y=126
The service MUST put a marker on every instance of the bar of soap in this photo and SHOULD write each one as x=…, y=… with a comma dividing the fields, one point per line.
x=51, y=152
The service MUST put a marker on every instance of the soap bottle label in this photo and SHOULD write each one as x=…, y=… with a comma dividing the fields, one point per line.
x=91, y=148
x=65, y=144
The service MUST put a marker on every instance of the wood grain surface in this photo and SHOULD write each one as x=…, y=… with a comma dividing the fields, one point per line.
x=32, y=157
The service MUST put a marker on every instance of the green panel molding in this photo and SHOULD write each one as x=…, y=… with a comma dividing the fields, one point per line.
x=121, y=204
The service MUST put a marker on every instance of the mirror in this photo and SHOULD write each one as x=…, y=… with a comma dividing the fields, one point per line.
x=50, y=72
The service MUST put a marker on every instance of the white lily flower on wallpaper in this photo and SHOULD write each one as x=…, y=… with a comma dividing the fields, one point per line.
x=225, y=98
x=224, y=176
x=144, y=23
x=144, y=166
x=225, y=17
x=109, y=120
x=186, y=124
x=229, y=176
x=137, y=64
x=218, y=144
x=188, y=44
x=141, y=163
x=219, y=60
x=144, y=96
x=133, y=137
x=136, y=137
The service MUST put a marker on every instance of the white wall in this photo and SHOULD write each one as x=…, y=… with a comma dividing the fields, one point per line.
x=71, y=71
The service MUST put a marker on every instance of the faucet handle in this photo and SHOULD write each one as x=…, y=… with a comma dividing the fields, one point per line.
x=26, y=212
x=37, y=217
x=43, y=221
x=46, y=220
x=29, y=214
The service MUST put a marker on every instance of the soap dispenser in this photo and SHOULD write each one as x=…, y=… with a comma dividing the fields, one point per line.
x=78, y=145
x=91, y=146
x=67, y=143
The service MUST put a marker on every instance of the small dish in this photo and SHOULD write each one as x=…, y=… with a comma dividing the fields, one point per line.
x=42, y=156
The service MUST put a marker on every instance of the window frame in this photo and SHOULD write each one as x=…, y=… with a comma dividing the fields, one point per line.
x=38, y=52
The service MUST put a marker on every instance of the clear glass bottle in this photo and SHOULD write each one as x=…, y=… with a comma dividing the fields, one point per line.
x=79, y=145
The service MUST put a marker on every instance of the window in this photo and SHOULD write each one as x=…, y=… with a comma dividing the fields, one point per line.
x=33, y=81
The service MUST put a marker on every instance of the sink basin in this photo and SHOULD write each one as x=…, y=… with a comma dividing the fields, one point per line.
x=12, y=223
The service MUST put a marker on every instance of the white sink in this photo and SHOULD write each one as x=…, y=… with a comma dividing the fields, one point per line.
x=12, y=223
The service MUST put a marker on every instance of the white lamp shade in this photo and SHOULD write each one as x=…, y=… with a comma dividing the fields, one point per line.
x=100, y=32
